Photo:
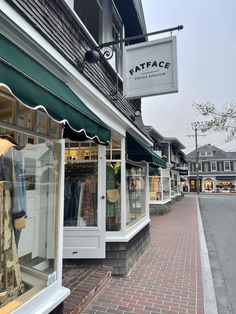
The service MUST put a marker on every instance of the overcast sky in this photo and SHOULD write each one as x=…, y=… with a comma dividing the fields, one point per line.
x=206, y=51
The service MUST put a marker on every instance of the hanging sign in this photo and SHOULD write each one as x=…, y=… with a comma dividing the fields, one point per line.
x=150, y=68
x=183, y=172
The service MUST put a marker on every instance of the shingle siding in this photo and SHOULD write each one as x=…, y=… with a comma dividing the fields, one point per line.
x=54, y=21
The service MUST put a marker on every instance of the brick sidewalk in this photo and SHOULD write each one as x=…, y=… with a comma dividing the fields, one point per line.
x=168, y=277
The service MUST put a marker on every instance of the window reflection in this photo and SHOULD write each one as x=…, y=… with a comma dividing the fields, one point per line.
x=81, y=175
x=135, y=192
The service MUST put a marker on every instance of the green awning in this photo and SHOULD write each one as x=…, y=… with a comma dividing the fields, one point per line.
x=36, y=87
x=136, y=151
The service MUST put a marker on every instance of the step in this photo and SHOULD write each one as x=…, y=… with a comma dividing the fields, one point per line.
x=84, y=281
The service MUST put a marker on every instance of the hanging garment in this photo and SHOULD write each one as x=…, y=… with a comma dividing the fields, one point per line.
x=87, y=202
x=111, y=206
x=80, y=221
x=11, y=285
x=67, y=199
x=11, y=170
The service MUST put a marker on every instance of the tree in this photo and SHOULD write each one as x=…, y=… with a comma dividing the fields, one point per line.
x=224, y=120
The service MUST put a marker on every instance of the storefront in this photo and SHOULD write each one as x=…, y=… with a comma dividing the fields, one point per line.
x=36, y=111
x=193, y=184
x=208, y=184
x=225, y=183
x=159, y=190
x=175, y=185
x=106, y=201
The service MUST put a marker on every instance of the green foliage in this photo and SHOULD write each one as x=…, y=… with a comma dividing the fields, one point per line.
x=224, y=120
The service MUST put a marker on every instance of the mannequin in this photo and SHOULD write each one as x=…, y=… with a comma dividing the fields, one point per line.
x=11, y=171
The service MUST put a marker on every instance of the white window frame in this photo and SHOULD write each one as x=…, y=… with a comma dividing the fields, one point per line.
x=225, y=163
x=215, y=164
x=108, y=10
x=200, y=166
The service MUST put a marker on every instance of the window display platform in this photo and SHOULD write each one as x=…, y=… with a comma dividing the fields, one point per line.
x=84, y=281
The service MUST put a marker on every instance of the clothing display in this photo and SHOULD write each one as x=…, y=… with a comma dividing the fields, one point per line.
x=87, y=202
x=11, y=285
x=111, y=206
x=135, y=192
x=11, y=170
x=79, y=206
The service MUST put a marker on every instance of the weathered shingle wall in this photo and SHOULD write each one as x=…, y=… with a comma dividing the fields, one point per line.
x=55, y=21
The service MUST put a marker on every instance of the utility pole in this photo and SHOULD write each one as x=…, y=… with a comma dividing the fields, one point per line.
x=197, y=155
x=197, y=158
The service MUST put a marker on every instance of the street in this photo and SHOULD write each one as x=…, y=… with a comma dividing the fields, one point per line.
x=219, y=219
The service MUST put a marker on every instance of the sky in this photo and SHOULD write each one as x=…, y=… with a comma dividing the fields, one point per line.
x=206, y=54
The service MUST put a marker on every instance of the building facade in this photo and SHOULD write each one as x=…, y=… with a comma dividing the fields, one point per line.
x=84, y=154
x=216, y=170
x=165, y=186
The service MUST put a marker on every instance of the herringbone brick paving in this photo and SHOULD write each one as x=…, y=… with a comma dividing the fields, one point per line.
x=167, y=279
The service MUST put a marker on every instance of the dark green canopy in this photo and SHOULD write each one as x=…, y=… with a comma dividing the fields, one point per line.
x=36, y=87
x=136, y=151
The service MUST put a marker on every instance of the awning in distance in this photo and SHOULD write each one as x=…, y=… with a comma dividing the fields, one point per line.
x=36, y=87
x=136, y=151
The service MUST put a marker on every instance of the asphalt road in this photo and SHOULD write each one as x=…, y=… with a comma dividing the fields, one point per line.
x=219, y=222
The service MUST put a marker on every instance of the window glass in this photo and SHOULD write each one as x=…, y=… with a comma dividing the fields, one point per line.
x=7, y=109
x=208, y=184
x=24, y=117
x=226, y=185
x=29, y=197
x=155, y=188
x=227, y=165
x=113, y=210
x=135, y=192
x=41, y=122
x=213, y=166
x=175, y=186
x=90, y=13
x=117, y=33
x=54, y=129
x=113, y=179
x=81, y=175
x=166, y=188
x=200, y=166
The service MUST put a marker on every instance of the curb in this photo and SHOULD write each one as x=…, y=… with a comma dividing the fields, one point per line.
x=210, y=304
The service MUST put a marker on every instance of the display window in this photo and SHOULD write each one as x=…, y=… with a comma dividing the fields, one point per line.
x=175, y=185
x=135, y=192
x=159, y=188
x=81, y=179
x=166, y=188
x=155, y=188
x=113, y=186
x=208, y=184
x=173, y=188
x=226, y=185
x=29, y=196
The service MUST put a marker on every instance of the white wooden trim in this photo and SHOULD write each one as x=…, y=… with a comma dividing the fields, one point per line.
x=129, y=234
x=45, y=300
x=123, y=186
x=17, y=29
x=60, y=216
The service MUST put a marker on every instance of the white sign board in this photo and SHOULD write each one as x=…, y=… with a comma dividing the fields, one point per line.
x=150, y=68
